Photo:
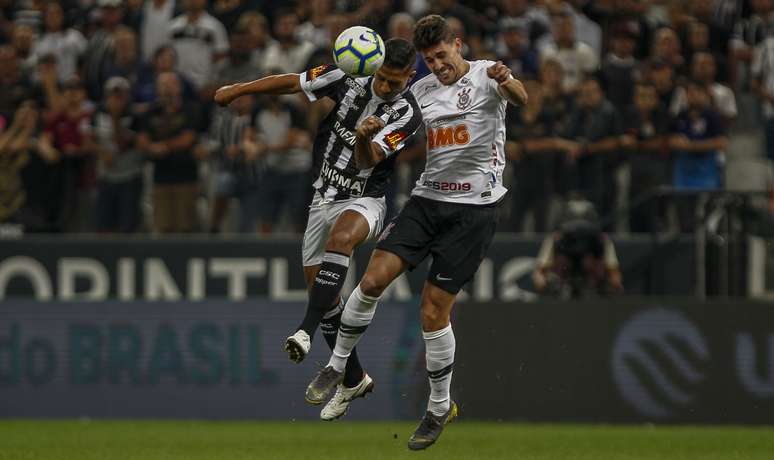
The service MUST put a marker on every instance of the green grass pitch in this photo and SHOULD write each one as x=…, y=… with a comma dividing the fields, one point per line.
x=105, y=440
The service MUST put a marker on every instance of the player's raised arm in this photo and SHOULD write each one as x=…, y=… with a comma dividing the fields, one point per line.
x=510, y=88
x=367, y=152
x=288, y=83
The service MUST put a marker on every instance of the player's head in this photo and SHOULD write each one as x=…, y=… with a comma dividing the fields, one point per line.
x=440, y=49
x=397, y=70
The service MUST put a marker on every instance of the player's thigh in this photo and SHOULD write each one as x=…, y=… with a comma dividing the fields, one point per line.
x=460, y=248
x=382, y=270
x=318, y=227
x=357, y=222
x=410, y=233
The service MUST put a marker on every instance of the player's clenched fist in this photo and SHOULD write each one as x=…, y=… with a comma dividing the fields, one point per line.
x=225, y=94
x=369, y=127
x=498, y=72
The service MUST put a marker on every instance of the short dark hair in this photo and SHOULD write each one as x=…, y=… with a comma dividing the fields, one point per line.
x=399, y=53
x=430, y=31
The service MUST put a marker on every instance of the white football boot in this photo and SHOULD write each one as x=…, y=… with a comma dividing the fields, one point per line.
x=298, y=346
x=340, y=401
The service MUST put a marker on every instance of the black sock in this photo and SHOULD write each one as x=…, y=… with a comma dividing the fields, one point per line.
x=353, y=373
x=327, y=285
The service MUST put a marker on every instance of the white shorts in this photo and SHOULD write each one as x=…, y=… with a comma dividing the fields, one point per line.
x=322, y=216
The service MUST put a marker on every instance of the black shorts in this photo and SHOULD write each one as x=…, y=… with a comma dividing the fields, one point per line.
x=457, y=236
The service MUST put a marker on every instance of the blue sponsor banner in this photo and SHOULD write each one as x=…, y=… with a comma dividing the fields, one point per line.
x=190, y=360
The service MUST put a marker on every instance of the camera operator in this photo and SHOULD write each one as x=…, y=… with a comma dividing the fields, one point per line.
x=578, y=260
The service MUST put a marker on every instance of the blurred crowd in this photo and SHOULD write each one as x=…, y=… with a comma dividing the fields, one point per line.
x=107, y=124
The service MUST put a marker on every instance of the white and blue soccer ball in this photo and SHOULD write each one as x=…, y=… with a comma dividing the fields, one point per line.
x=358, y=51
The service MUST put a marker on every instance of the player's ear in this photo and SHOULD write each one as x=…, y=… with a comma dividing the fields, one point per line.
x=411, y=76
x=458, y=44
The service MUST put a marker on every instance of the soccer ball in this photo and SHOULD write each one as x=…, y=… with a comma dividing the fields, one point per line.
x=358, y=51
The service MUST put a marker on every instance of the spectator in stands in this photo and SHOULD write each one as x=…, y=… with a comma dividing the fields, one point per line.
x=164, y=61
x=315, y=28
x=66, y=44
x=125, y=60
x=120, y=165
x=646, y=129
x=667, y=49
x=663, y=77
x=157, y=16
x=514, y=48
x=287, y=54
x=762, y=70
x=167, y=134
x=37, y=166
x=68, y=131
x=586, y=30
x=15, y=87
x=557, y=105
x=620, y=68
x=719, y=34
x=335, y=24
x=101, y=49
x=237, y=66
x=199, y=40
x=23, y=41
x=698, y=41
x=258, y=36
x=286, y=188
x=630, y=16
x=748, y=33
x=228, y=12
x=703, y=69
x=532, y=144
x=698, y=137
x=537, y=22
x=577, y=58
x=595, y=126
x=239, y=164
x=16, y=141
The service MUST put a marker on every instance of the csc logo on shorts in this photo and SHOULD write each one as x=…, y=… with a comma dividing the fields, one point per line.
x=446, y=136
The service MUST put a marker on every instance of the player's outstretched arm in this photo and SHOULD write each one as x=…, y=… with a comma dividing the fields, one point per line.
x=510, y=88
x=288, y=83
x=367, y=152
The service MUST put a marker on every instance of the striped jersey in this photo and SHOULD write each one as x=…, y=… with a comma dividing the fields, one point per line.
x=465, y=125
x=337, y=176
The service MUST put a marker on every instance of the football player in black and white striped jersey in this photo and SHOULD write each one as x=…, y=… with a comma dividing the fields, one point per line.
x=355, y=150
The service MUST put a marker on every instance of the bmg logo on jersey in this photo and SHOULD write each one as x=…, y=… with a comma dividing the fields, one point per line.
x=446, y=136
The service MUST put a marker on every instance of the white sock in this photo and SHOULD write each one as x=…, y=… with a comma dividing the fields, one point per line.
x=356, y=317
x=439, y=355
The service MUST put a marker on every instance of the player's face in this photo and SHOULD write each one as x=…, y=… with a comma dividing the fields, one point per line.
x=391, y=81
x=445, y=61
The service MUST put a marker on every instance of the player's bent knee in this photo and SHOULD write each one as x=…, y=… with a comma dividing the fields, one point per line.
x=373, y=285
x=433, y=318
x=341, y=242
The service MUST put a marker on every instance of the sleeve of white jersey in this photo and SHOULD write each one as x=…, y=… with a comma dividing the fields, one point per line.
x=321, y=81
x=393, y=136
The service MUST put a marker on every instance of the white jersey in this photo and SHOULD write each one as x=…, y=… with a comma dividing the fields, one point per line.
x=465, y=126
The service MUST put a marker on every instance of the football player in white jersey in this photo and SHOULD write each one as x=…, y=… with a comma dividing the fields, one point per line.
x=355, y=150
x=451, y=215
